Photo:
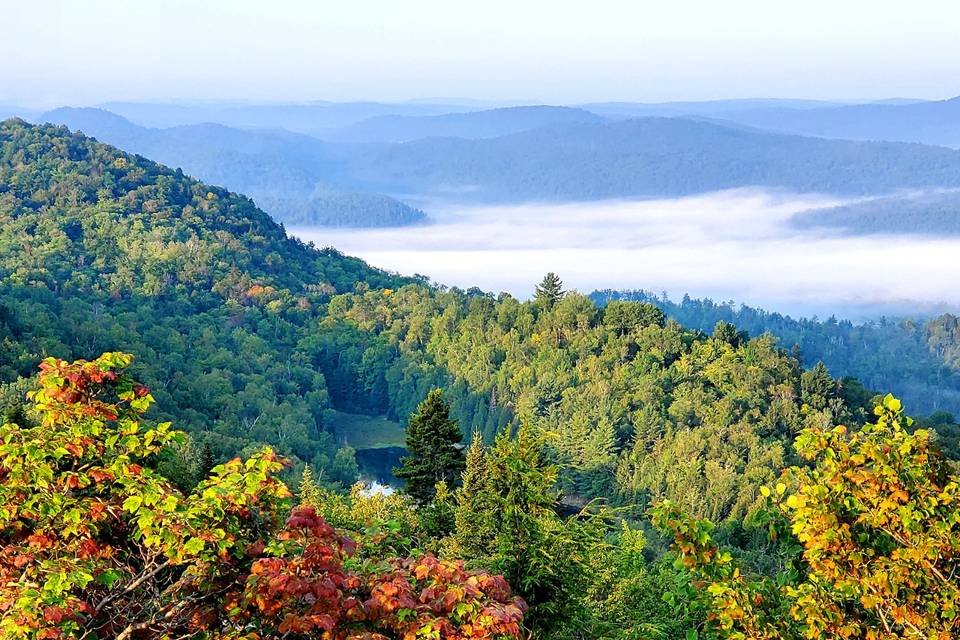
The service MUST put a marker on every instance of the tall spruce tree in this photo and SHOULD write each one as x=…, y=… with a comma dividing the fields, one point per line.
x=549, y=291
x=432, y=440
x=474, y=531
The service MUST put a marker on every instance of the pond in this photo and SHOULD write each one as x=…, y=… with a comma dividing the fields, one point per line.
x=377, y=464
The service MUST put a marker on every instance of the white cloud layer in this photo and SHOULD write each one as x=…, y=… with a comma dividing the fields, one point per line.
x=728, y=245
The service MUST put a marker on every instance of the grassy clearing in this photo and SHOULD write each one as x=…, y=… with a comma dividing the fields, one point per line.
x=367, y=432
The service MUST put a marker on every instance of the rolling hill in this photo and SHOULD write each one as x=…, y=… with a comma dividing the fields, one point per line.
x=303, y=180
x=490, y=123
x=103, y=250
x=645, y=158
x=284, y=172
x=935, y=122
x=933, y=213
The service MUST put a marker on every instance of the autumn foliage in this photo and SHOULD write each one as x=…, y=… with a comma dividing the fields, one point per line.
x=96, y=544
x=876, y=518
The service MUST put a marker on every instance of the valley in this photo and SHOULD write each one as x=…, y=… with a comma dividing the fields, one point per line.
x=479, y=321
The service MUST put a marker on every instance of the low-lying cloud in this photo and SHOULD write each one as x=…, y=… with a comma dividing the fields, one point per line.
x=729, y=245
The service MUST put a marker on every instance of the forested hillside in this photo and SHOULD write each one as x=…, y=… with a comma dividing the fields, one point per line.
x=917, y=359
x=933, y=213
x=291, y=176
x=639, y=407
x=568, y=157
x=100, y=249
x=648, y=157
x=240, y=332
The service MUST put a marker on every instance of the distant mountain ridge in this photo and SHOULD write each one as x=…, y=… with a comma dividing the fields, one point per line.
x=310, y=118
x=284, y=172
x=648, y=157
x=580, y=157
x=934, y=122
x=490, y=123
x=934, y=213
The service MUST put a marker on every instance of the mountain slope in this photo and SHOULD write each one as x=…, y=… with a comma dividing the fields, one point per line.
x=935, y=213
x=490, y=123
x=284, y=172
x=936, y=122
x=647, y=157
x=917, y=360
x=103, y=250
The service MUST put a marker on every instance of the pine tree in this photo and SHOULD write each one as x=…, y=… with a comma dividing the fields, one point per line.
x=474, y=518
x=549, y=291
x=205, y=462
x=432, y=441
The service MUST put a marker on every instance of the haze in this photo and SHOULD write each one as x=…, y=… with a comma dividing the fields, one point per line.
x=728, y=245
x=537, y=50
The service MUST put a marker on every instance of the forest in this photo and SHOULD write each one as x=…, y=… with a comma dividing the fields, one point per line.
x=916, y=358
x=170, y=368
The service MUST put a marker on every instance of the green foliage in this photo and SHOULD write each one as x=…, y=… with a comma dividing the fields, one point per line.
x=877, y=519
x=434, y=454
x=549, y=291
x=97, y=544
x=97, y=541
x=640, y=408
x=100, y=247
x=507, y=520
x=917, y=359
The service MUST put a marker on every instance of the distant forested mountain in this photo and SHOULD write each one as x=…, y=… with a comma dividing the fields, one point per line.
x=703, y=108
x=646, y=157
x=936, y=213
x=309, y=118
x=287, y=174
x=918, y=360
x=489, y=123
x=649, y=157
x=936, y=122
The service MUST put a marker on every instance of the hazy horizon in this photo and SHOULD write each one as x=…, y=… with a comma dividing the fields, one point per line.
x=296, y=51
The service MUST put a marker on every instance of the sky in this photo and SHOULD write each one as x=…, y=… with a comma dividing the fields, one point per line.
x=553, y=51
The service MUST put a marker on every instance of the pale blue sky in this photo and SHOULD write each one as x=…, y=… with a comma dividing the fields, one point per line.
x=87, y=51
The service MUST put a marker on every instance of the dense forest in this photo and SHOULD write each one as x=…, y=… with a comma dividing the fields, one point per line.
x=917, y=359
x=934, y=213
x=602, y=442
x=287, y=174
x=101, y=249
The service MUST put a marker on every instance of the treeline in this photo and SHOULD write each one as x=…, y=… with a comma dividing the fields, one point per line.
x=917, y=359
x=933, y=213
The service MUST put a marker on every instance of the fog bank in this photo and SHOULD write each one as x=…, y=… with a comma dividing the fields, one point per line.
x=731, y=245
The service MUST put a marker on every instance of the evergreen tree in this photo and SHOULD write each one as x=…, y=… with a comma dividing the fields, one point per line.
x=549, y=291
x=507, y=519
x=474, y=529
x=205, y=463
x=727, y=332
x=432, y=440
